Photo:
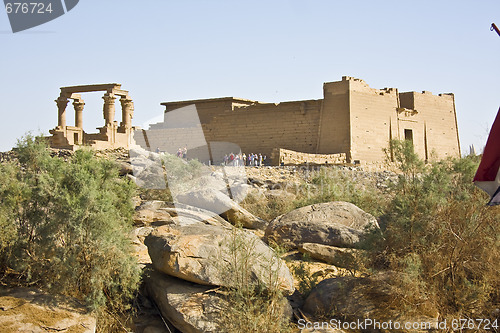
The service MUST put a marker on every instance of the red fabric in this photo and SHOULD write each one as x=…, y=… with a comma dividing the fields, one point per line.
x=490, y=162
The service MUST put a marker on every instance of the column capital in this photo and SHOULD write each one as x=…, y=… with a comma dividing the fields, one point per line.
x=109, y=98
x=78, y=105
x=127, y=113
x=61, y=102
x=127, y=106
x=127, y=102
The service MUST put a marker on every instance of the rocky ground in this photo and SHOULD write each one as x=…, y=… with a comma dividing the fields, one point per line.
x=187, y=251
x=294, y=175
x=191, y=243
x=30, y=310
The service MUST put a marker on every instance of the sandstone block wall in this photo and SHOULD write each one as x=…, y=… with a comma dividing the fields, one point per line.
x=352, y=119
x=171, y=139
x=436, y=117
x=380, y=115
x=372, y=113
x=208, y=109
x=260, y=128
x=290, y=157
x=334, y=132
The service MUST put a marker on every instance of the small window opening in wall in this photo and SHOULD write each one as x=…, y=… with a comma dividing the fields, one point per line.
x=356, y=162
x=409, y=135
x=76, y=137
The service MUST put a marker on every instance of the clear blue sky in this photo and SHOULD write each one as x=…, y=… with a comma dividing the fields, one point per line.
x=269, y=51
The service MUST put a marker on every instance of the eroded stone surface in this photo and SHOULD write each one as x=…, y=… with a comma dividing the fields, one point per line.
x=371, y=297
x=190, y=307
x=30, y=310
x=220, y=203
x=330, y=254
x=339, y=224
x=207, y=255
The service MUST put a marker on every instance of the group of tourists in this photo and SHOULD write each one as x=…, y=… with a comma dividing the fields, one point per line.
x=182, y=152
x=243, y=159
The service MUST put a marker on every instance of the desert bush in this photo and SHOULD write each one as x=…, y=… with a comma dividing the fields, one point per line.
x=439, y=233
x=10, y=190
x=182, y=175
x=267, y=208
x=66, y=224
x=173, y=173
x=147, y=194
x=331, y=184
x=322, y=185
x=250, y=307
x=305, y=278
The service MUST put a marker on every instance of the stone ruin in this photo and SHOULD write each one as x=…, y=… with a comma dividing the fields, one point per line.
x=351, y=124
x=110, y=136
x=282, y=156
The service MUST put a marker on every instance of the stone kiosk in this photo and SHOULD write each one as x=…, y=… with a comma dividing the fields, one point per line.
x=111, y=135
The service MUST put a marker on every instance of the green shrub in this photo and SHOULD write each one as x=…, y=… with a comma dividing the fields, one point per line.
x=179, y=175
x=10, y=191
x=65, y=226
x=438, y=231
x=306, y=279
x=267, y=208
x=250, y=307
x=330, y=184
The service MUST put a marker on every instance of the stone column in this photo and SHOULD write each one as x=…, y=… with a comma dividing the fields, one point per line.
x=61, y=115
x=78, y=105
x=109, y=108
x=127, y=112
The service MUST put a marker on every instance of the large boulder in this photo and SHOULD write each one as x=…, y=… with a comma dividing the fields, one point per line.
x=219, y=203
x=193, y=308
x=30, y=310
x=190, y=307
x=339, y=224
x=161, y=212
x=151, y=214
x=144, y=217
x=217, y=255
x=239, y=191
x=374, y=298
x=147, y=169
x=139, y=249
x=338, y=256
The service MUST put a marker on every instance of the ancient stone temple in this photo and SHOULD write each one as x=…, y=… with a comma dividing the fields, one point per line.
x=111, y=135
x=352, y=122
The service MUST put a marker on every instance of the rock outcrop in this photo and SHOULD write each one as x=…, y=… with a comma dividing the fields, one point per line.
x=339, y=224
x=193, y=308
x=30, y=310
x=214, y=255
x=193, y=257
x=372, y=297
x=190, y=307
x=337, y=256
x=220, y=203
x=160, y=212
